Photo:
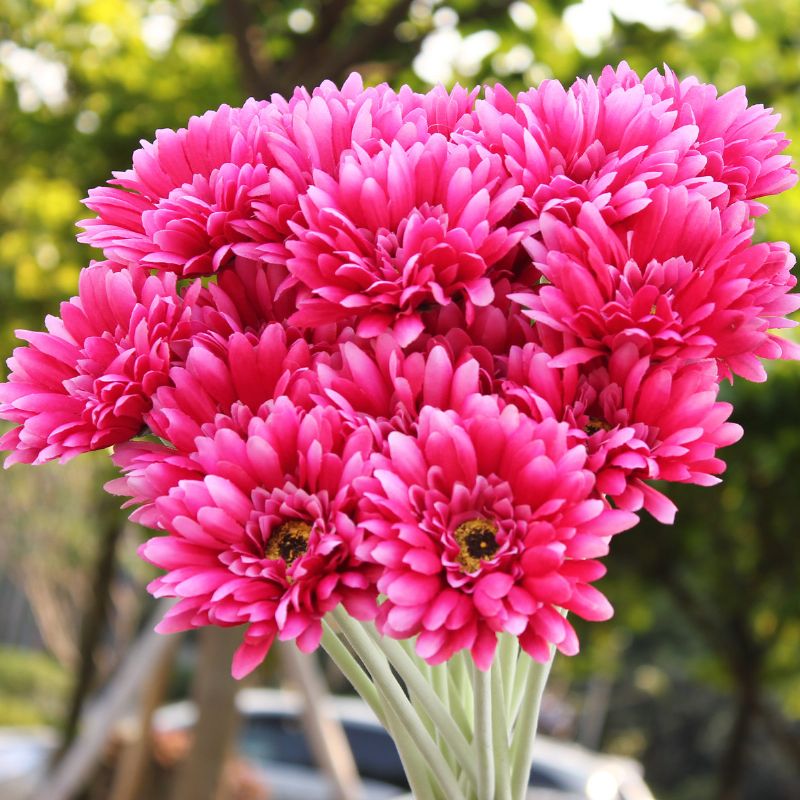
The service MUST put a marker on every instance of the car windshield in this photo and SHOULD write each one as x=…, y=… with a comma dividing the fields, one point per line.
x=279, y=738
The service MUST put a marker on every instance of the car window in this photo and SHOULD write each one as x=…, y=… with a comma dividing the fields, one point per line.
x=542, y=778
x=275, y=739
x=375, y=754
x=279, y=738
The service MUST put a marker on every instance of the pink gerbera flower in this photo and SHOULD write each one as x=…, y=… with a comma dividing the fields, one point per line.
x=380, y=385
x=639, y=422
x=220, y=373
x=485, y=522
x=567, y=147
x=685, y=282
x=202, y=226
x=88, y=382
x=174, y=159
x=611, y=142
x=263, y=534
x=229, y=183
x=444, y=112
x=245, y=297
x=401, y=231
x=739, y=144
x=495, y=327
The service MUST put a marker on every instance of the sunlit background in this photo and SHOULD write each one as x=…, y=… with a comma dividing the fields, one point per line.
x=698, y=676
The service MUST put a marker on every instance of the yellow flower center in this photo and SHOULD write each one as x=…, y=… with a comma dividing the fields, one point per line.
x=477, y=542
x=288, y=541
x=594, y=424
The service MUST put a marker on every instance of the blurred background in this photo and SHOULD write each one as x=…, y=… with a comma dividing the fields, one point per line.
x=697, y=678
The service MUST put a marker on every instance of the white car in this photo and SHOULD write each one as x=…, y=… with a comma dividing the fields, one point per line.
x=272, y=737
x=24, y=757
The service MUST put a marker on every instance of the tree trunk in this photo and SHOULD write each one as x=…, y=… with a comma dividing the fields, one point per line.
x=782, y=731
x=733, y=766
x=200, y=774
x=134, y=762
x=54, y=622
x=241, y=26
x=96, y=617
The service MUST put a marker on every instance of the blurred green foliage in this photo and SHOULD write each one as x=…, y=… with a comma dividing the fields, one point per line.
x=32, y=687
x=708, y=612
x=80, y=87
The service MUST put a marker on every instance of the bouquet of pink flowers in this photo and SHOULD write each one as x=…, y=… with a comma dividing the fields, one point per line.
x=388, y=371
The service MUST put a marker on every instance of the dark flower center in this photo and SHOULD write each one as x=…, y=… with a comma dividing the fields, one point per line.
x=594, y=424
x=288, y=541
x=477, y=542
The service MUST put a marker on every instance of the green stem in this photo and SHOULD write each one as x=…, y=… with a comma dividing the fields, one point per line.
x=521, y=673
x=352, y=670
x=508, y=657
x=441, y=744
x=481, y=682
x=460, y=667
x=422, y=712
x=437, y=677
x=414, y=764
x=409, y=671
x=396, y=700
x=439, y=683
x=466, y=784
x=456, y=700
x=525, y=729
x=500, y=733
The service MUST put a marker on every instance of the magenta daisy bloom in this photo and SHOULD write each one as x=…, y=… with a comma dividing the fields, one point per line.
x=379, y=384
x=495, y=328
x=88, y=382
x=567, y=147
x=738, y=142
x=399, y=232
x=639, y=422
x=201, y=226
x=228, y=184
x=481, y=523
x=686, y=284
x=159, y=168
x=263, y=534
x=612, y=142
x=220, y=373
x=444, y=112
x=244, y=297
